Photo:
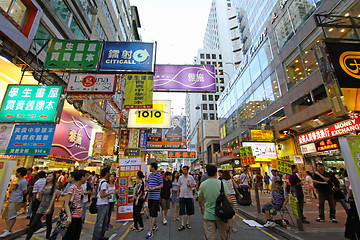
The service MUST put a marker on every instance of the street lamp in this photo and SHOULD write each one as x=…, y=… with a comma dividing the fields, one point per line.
x=200, y=140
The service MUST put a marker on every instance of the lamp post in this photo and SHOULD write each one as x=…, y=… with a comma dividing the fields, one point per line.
x=200, y=140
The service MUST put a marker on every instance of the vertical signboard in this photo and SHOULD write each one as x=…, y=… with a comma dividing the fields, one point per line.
x=97, y=144
x=134, y=138
x=65, y=54
x=139, y=91
x=143, y=134
x=5, y=134
x=128, y=168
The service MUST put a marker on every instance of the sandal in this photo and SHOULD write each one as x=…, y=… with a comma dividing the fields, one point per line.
x=181, y=228
x=133, y=229
x=188, y=226
x=140, y=229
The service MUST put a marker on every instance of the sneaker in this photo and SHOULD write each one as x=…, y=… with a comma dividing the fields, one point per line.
x=334, y=220
x=268, y=224
x=164, y=221
x=320, y=220
x=149, y=235
x=5, y=234
x=272, y=224
x=155, y=228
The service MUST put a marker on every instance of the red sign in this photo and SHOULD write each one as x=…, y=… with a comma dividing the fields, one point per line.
x=331, y=131
x=247, y=160
x=327, y=144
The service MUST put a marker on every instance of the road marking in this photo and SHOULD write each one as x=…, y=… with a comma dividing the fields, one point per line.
x=127, y=232
x=38, y=238
x=270, y=235
x=90, y=222
x=112, y=236
x=125, y=223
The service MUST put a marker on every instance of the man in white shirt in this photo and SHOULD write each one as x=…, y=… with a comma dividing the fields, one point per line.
x=186, y=197
x=244, y=177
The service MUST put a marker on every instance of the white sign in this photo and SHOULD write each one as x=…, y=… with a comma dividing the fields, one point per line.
x=308, y=148
x=5, y=134
x=91, y=83
x=262, y=149
x=125, y=209
x=129, y=161
x=298, y=159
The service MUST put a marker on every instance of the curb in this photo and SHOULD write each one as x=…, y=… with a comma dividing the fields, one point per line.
x=278, y=230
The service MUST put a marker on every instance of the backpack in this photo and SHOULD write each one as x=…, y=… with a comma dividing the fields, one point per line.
x=222, y=208
x=92, y=207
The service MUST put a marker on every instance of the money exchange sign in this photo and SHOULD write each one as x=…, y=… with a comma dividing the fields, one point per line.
x=65, y=54
x=30, y=103
x=181, y=154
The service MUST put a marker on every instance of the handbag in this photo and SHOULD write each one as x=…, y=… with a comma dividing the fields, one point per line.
x=92, y=207
x=223, y=208
x=61, y=222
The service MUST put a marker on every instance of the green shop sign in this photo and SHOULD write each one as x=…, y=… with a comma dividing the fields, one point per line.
x=76, y=55
x=30, y=103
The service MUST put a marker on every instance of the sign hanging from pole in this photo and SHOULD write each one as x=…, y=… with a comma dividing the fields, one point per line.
x=139, y=91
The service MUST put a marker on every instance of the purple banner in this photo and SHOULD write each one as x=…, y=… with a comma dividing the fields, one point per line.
x=185, y=78
x=71, y=139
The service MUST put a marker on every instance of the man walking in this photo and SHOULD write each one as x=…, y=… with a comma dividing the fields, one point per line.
x=186, y=197
x=155, y=182
x=102, y=206
x=296, y=188
x=245, y=178
x=165, y=195
x=324, y=188
x=208, y=193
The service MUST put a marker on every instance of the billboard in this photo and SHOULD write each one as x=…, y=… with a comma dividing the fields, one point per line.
x=157, y=117
x=185, y=78
x=30, y=103
x=139, y=91
x=262, y=135
x=128, y=56
x=91, y=83
x=262, y=149
x=171, y=138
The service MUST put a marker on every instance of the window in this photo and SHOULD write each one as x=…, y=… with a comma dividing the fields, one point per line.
x=216, y=97
x=212, y=116
x=259, y=99
x=211, y=98
x=254, y=67
x=294, y=69
x=302, y=103
x=108, y=17
x=309, y=58
x=202, y=56
x=221, y=72
x=87, y=7
x=207, y=56
x=239, y=88
x=204, y=107
x=319, y=93
x=74, y=27
x=214, y=63
x=222, y=89
x=246, y=79
x=63, y=10
x=283, y=30
x=100, y=31
x=204, y=98
x=202, y=63
x=115, y=7
x=16, y=9
x=265, y=55
x=213, y=56
x=220, y=64
x=42, y=33
x=211, y=106
x=221, y=80
x=300, y=11
x=205, y=116
x=220, y=56
x=208, y=63
x=271, y=87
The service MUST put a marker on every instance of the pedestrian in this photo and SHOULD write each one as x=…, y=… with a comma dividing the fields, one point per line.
x=274, y=178
x=70, y=181
x=324, y=188
x=93, y=179
x=16, y=198
x=112, y=198
x=208, y=193
x=277, y=203
x=230, y=183
x=139, y=192
x=30, y=188
x=155, y=183
x=174, y=202
x=73, y=207
x=259, y=181
x=245, y=178
x=186, y=197
x=28, y=177
x=87, y=192
x=102, y=205
x=46, y=197
x=166, y=195
x=38, y=186
x=311, y=189
x=338, y=193
x=267, y=182
x=296, y=187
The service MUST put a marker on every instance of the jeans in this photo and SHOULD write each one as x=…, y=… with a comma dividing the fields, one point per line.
x=330, y=198
x=101, y=222
x=343, y=204
x=111, y=209
x=35, y=225
x=137, y=214
x=83, y=212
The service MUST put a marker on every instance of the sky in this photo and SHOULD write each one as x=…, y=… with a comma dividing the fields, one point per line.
x=178, y=27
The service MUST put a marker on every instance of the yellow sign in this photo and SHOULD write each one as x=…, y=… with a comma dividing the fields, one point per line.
x=160, y=156
x=226, y=167
x=139, y=91
x=58, y=165
x=353, y=58
x=262, y=135
x=157, y=117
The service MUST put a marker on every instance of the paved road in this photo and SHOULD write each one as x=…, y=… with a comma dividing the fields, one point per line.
x=170, y=232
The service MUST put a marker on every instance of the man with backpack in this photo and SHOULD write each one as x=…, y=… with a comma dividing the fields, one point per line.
x=209, y=191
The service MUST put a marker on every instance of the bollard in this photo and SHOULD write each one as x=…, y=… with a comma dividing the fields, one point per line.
x=257, y=198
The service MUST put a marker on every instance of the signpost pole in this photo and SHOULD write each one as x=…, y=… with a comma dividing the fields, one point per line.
x=257, y=198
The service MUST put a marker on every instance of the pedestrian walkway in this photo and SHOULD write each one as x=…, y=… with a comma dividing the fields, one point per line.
x=314, y=230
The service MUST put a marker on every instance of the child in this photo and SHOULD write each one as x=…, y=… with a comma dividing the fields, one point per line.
x=10, y=212
x=165, y=195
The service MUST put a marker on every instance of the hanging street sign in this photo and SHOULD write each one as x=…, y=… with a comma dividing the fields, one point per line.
x=30, y=103
x=132, y=152
x=31, y=139
x=92, y=83
x=139, y=91
x=76, y=55
x=181, y=154
x=128, y=56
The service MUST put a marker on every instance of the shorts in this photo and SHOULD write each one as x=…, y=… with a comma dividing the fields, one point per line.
x=186, y=206
x=153, y=207
x=165, y=204
x=274, y=208
x=11, y=210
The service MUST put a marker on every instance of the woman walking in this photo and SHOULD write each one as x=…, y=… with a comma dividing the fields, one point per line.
x=230, y=183
x=46, y=197
x=175, y=207
x=311, y=189
x=112, y=197
x=138, y=202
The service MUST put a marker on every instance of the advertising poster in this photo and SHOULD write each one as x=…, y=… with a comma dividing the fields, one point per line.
x=143, y=135
x=124, y=139
x=134, y=138
x=185, y=78
x=262, y=149
x=108, y=144
x=5, y=134
x=91, y=83
x=128, y=168
x=97, y=144
x=171, y=138
x=139, y=91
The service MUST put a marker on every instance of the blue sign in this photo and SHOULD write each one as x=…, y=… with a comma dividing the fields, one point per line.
x=143, y=135
x=128, y=56
x=31, y=139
